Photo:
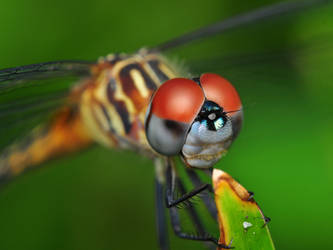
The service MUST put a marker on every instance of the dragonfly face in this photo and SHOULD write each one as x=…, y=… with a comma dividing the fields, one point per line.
x=197, y=118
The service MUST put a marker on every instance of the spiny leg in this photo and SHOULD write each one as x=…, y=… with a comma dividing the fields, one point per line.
x=171, y=178
x=207, y=200
x=174, y=214
x=191, y=210
x=195, y=217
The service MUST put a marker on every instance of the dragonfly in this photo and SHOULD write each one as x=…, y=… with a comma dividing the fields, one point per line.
x=128, y=133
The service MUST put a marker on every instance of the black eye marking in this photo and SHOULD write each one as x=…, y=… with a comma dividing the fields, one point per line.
x=174, y=127
x=212, y=115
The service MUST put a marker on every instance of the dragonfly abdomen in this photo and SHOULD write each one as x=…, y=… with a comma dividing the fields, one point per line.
x=65, y=133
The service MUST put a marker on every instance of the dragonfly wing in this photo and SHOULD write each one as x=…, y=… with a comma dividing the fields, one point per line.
x=14, y=77
x=267, y=12
x=28, y=94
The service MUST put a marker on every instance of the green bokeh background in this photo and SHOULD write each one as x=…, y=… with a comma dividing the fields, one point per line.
x=104, y=199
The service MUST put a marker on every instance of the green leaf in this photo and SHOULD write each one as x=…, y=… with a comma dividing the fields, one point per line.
x=242, y=223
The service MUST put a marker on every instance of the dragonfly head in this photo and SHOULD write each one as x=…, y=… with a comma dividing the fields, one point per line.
x=197, y=118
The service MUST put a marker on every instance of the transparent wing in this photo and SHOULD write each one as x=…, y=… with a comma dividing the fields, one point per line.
x=255, y=58
x=11, y=78
x=266, y=12
x=30, y=94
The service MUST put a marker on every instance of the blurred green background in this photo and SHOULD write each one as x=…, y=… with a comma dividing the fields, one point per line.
x=104, y=199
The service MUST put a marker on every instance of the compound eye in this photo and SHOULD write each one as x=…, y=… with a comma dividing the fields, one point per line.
x=220, y=91
x=171, y=113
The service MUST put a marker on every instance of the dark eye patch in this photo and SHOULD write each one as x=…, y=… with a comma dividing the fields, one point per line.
x=174, y=127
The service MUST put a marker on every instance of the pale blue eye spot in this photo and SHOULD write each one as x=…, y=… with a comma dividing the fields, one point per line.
x=219, y=123
x=204, y=122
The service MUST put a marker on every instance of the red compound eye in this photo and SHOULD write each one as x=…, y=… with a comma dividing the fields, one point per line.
x=171, y=113
x=178, y=99
x=220, y=91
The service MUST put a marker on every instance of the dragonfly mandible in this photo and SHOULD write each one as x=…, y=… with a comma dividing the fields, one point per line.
x=68, y=125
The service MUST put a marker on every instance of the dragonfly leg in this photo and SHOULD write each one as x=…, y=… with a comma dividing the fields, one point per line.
x=186, y=196
x=266, y=219
x=194, y=216
x=193, y=213
x=161, y=224
x=171, y=179
x=207, y=200
x=251, y=194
